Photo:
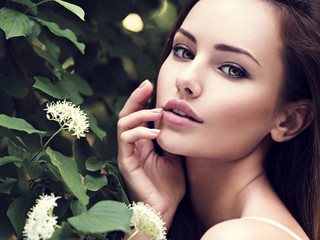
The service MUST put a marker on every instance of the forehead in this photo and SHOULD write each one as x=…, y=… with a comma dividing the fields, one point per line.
x=250, y=24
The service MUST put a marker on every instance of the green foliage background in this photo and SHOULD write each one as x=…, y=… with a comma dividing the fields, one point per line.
x=47, y=53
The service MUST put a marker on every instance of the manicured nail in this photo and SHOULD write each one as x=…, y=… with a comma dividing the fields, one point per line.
x=155, y=131
x=144, y=83
x=157, y=110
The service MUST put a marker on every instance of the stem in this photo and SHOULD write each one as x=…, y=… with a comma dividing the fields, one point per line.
x=36, y=5
x=53, y=136
x=133, y=234
x=41, y=142
x=47, y=142
x=57, y=226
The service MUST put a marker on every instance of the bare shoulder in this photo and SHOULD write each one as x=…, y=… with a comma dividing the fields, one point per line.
x=239, y=229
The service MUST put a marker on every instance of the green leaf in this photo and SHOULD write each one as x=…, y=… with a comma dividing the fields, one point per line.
x=64, y=232
x=72, y=90
x=94, y=183
x=21, y=188
x=18, y=124
x=14, y=140
x=7, y=185
x=66, y=88
x=69, y=172
x=67, y=33
x=14, y=86
x=54, y=173
x=103, y=217
x=51, y=46
x=32, y=141
x=94, y=163
x=13, y=149
x=34, y=169
x=6, y=228
x=17, y=212
x=108, y=148
x=46, y=56
x=81, y=151
x=113, y=171
x=36, y=30
x=95, y=128
x=10, y=159
x=32, y=6
x=73, y=8
x=46, y=86
x=80, y=84
x=14, y=23
x=77, y=207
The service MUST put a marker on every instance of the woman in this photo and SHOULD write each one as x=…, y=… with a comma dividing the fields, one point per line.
x=238, y=97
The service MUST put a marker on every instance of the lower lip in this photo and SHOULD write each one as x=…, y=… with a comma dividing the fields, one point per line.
x=175, y=119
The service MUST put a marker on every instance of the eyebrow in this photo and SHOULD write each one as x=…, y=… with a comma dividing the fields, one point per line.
x=219, y=47
x=227, y=48
x=187, y=34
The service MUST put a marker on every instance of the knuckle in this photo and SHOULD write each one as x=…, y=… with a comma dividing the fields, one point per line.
x=123, y=137
x=120, y=123
x=140, y=130
x=122, y=113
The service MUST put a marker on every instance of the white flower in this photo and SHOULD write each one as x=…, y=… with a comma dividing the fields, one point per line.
x=148, y=221
x=69, y=116
x=40, y=223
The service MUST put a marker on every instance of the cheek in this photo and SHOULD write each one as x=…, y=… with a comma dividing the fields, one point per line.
x=237, y=127
x=243, y=113
x=165, y=84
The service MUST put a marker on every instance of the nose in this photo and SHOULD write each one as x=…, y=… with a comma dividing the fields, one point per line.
x=189, y=80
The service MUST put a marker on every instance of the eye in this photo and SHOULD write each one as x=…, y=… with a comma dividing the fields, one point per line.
x=182, y=52
x=234, y=71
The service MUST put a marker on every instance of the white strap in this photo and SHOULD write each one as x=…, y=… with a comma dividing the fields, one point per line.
x=275, y=224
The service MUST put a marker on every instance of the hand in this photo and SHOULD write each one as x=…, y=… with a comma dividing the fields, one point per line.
x=156, y=180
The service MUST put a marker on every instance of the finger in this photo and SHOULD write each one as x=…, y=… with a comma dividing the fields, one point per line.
x=128, y=138
x=138, y=118
x=138, y=99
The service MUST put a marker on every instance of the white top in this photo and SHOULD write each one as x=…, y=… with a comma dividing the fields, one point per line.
x=274, y=223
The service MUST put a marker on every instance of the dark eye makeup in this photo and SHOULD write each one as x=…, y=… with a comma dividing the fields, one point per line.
x=234, y=71
x=183, y=52
x=231, y=70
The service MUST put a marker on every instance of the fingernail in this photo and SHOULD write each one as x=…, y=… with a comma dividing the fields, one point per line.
x=157, y=110
x=144, y=83
x=156, y=131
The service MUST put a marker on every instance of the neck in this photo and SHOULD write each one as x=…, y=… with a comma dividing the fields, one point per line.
x=217, y=188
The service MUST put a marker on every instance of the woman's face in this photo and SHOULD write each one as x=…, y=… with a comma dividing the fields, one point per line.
x=225, y=72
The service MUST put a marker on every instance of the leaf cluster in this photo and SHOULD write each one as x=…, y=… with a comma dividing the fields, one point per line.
x=76, y=50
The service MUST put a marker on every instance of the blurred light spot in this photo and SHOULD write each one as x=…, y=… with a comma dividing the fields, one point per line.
x=133, y=23
x=129, y=67
x=68, y=63
x=167, y=15
x=163, y=8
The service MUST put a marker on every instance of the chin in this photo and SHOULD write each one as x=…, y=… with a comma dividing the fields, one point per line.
x=172, y=143
x=169, y=145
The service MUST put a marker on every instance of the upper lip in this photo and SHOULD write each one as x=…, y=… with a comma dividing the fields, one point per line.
x=183, y=107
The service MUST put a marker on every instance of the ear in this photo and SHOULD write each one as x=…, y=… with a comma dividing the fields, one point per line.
x=292, y=120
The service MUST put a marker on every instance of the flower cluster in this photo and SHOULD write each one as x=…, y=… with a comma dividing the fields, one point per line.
x=69, y=116
x=148, y=221
x=40, y=223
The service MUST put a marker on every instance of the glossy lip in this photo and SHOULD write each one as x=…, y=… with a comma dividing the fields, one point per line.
x=183, y=107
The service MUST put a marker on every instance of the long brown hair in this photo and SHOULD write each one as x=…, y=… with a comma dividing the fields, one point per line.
x=293, y=167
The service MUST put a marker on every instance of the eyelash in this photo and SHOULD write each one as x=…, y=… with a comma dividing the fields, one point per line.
x=242, y=73
x=179, y=50
x=184, y=49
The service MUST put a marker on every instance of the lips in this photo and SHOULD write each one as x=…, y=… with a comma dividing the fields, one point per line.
x=182, y=110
